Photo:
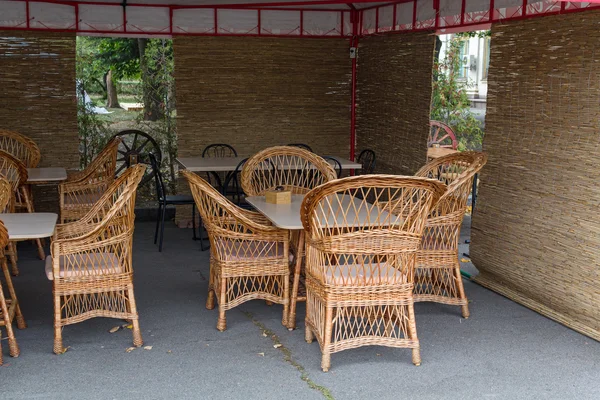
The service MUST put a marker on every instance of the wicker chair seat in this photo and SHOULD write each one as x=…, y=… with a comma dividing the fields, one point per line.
x=91, y=264
x=236, y=250
x=357, y=274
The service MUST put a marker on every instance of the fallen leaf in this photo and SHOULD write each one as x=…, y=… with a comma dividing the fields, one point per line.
x=114, y=329
x=147, y=347
x=261, y=354
x=465, y=260
x=130, y=326
x=265, y=334
x=130, y=349
x=278, y=345
x=169, y=351
x=378, y=354
x=65, y=350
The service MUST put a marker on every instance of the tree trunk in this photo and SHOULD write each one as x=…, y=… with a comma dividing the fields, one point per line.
x=151, y=87
x=111, y=92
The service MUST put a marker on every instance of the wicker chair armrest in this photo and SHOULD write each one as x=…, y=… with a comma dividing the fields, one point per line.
x=93, y=239
x=257, y=217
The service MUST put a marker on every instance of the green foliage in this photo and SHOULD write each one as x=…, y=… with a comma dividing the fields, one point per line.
x=450, y=103
x=93, y=131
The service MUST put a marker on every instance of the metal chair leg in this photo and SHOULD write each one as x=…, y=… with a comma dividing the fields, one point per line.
x=158, y=211
x=194, y=220
x=162, y=227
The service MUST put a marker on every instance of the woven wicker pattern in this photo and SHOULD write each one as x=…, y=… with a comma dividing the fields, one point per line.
x=535, y=231
x=39, y=99
x=359, y=271
x=21, y=147
x=90, y=267
x=249, y=257
x=9, y=307
x=290, y=167
x=81, y=191
x=437, y=276
x=260, y=93
x=392, y=116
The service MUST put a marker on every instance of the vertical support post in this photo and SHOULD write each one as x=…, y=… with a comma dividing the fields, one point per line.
x=353, y=43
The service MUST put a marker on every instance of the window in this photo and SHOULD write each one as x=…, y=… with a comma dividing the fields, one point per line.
x=463, y=72
x=486, y=58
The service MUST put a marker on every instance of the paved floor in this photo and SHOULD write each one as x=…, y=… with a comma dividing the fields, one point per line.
x=504, y=351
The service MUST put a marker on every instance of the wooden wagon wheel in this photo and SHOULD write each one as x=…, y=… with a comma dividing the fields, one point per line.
x=442, y=134
x=134, y=148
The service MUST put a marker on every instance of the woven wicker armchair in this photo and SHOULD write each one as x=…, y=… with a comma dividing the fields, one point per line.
x=81, y=190
x=249, y=257
x=9, y=307
x=91, y=265
x=438, y=276
x=360, y=258
x=293, y=168
x=21, y=147
x=15, y=173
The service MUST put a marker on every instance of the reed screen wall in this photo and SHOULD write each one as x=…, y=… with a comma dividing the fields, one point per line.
x=38, y=98
x=394, y=99
x=536, y=229
x=255, y=93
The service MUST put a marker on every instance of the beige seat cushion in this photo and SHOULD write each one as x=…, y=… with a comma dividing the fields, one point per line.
x=90, y=264
x=357, y=274
x=236, y=250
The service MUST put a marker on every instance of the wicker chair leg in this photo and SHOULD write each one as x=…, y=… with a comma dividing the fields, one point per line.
x=326, y=358
x=296, y=285
x=137, y=333
x=308, y=335
x=286, y=300
x=461, y=292
x=222, y=322
x=12, y=248
x=210, y=300
x=58, y=342
x=412, y=332
x=1, y=360
x=13, y=347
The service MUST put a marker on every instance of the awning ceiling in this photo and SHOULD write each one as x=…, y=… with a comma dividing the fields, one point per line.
x=311, y=18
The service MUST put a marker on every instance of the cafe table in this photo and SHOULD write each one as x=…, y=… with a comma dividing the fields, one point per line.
x=287, y=216
x=226, y=164
x=25, y=226
x=46, y=175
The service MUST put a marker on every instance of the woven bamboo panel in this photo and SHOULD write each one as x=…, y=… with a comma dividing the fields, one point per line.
x=536, y=230
x=37, y=77
x=255, y=93
x=394, y=100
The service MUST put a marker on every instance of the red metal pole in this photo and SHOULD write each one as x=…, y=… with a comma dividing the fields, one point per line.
x=353, y=43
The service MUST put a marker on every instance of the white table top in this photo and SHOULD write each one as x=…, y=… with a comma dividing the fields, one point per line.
x=287, y=216
x=48, y=174
x=29, y=225
x=220, y=164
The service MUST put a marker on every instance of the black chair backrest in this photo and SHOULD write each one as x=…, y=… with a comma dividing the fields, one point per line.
x=232, y=183
x=219, y=150
x=160, y=186
x=367, y=159
x=302, y=146
x=337, y=166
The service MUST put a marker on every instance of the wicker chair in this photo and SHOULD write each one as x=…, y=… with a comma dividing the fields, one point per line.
x=81, y=190
x=249, y=257
x=15, y=173
x=360, y=261
x=9, y=308
x=293, y=168
x=91, y=267
x=21, y=147
x=438, y=277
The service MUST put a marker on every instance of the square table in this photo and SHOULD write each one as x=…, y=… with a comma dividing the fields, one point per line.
x=226, y=164
x=24, y=226
x=46, y=175
x=287, y=216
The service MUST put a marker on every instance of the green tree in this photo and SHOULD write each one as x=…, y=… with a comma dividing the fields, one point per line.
x=450, y=103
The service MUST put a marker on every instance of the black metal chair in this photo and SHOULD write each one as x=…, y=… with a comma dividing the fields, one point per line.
x=367, y=159
x=165, y=200
x=216, y=179
x=337, y=166
x=232, y=187
x=302, y=146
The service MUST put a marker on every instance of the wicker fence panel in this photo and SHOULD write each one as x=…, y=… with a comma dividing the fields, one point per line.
x=536, y=230
x=255, y=93
x=37, y=81
x=394, y=98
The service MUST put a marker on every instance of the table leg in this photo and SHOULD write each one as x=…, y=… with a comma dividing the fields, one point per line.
x=297, y=271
